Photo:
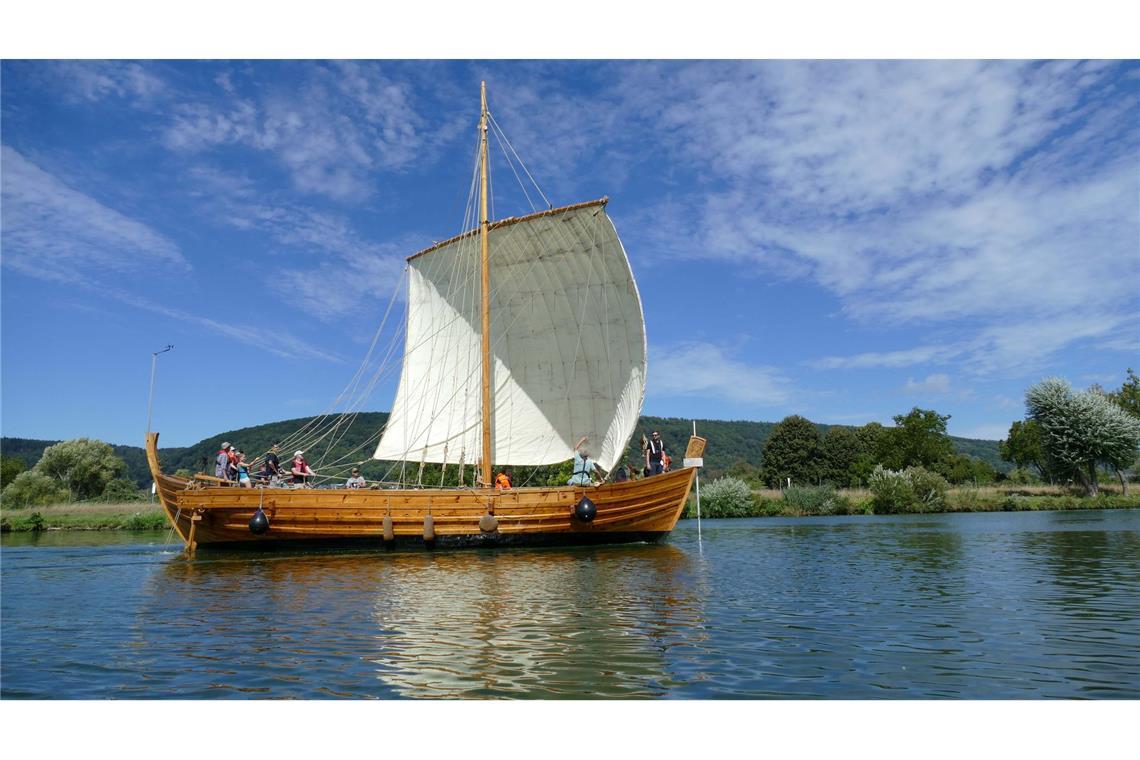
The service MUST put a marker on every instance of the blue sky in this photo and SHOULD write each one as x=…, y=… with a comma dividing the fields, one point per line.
x=841, y=240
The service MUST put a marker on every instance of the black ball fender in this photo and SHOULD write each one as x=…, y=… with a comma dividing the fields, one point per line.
x=585, y=510
x=259, y=523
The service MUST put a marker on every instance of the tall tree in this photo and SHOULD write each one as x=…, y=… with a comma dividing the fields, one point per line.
x=842, y=447
x=1128, y=397
x=793, y=450
x=1080, y=430
x=918, y=440
x=1023, y=445
x=83, y=466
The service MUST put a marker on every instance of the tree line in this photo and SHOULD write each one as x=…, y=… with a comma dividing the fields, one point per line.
x=796, y=453
x=1066, y=437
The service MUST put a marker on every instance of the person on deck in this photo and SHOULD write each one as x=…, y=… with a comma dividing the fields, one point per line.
x=300, y=469
x=356, y=481
x=584, y=467
x=503, y=480
x=243, y=471
x=667, y=461
x=655, y=455
x=622, y=474
x=272, y=467
x=232, y=467
x=222, y=461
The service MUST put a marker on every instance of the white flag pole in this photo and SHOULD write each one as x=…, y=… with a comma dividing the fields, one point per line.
x=698, y=479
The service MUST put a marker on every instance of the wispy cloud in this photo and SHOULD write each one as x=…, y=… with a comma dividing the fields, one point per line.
x=707, y=370
x=902, y=358
x=1019, y=347
x=333, y=270
x=332, y=131
x=94, y=81
x=282, y=344
x=53, y=231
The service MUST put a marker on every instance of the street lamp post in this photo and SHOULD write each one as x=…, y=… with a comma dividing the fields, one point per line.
x=153, y=367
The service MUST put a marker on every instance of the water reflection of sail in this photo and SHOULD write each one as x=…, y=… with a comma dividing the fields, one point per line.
x=572, y=624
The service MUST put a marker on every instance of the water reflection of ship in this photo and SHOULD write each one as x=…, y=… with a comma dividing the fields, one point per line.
x=557, y=623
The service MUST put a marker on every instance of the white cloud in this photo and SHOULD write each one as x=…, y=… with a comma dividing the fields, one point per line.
x=705, y=369
x=987, y=199
x=52, y=231
x=933, y=384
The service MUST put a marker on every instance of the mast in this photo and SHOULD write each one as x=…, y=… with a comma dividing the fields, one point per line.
x=486, y=287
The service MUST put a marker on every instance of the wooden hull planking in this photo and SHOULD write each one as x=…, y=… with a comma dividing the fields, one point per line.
x=641, y=510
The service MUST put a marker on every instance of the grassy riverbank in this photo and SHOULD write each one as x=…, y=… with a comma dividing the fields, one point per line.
x=132, y=515
x=773, y=503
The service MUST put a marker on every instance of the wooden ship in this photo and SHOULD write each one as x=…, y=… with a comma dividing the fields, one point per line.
x=522, y=337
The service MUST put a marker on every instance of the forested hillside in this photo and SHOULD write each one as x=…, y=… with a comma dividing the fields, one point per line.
x=729, y=442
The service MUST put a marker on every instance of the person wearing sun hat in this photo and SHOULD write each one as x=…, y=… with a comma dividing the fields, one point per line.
x=300, y=469
x=222, y=461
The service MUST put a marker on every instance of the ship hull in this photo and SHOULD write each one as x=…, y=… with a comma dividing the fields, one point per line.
x=211, y=515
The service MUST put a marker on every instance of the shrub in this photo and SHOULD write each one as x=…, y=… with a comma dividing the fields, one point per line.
x=815, y=500
x=891, y=489
x=929, y=489
x=1021, y=476
x=914, y=489
x=32, y=488
x=727, y=497
x=146, y=521
x=121, y=490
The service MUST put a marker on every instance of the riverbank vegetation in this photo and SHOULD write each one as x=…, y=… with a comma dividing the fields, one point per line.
x=1068, y=444
x=818, y=501
x=131, y=515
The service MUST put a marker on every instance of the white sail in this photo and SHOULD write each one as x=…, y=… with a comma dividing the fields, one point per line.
x=567, y=345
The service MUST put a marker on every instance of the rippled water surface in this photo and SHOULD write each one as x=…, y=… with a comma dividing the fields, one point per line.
x=1024, y=605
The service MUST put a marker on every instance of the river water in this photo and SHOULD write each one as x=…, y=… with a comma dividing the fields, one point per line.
x=974, y=606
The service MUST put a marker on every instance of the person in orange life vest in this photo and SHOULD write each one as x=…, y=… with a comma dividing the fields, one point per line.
x=668, y=461
x=503, y=480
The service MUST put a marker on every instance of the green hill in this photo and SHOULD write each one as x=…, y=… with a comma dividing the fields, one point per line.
x=730, y=441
